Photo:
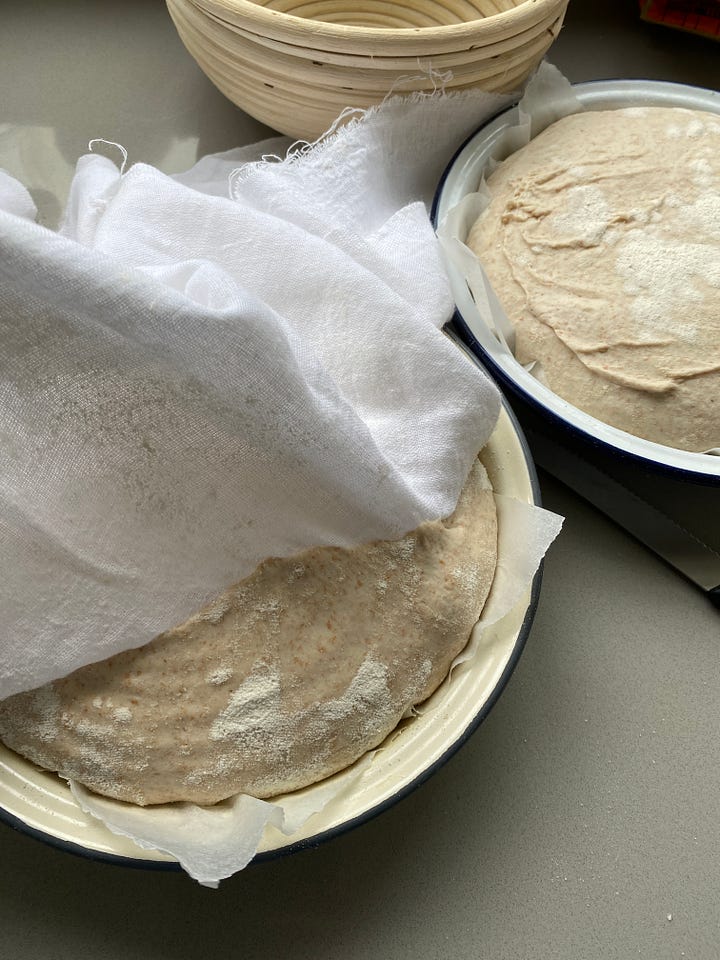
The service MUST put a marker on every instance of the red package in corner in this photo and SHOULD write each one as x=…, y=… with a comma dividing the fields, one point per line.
x=696, y=16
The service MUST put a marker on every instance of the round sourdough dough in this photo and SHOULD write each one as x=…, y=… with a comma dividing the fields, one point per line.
x=602, y=242
x=288, y=677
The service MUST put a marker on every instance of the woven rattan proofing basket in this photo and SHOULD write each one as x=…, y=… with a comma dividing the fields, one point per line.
x=297, y=64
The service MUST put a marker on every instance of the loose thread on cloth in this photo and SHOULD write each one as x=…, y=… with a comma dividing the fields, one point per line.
x=296, y=150
x=111, y=143
x=300, y=148
x=427, y=72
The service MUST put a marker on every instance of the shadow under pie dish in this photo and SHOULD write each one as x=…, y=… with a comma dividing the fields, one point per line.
x=40, y=801
x=600, y=237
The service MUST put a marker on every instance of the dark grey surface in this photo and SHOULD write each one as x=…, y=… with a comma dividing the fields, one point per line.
x=586, y=810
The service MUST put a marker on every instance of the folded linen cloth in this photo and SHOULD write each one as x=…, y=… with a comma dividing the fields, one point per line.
x=204, y=370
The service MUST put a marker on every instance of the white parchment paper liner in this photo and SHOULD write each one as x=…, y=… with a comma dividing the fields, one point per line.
x=212, y=843
x=547, y=98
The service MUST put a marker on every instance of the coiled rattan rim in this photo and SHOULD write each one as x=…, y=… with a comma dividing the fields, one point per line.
x=339, y=37
x=282, y=70
x=238, y=78
x=470, y=53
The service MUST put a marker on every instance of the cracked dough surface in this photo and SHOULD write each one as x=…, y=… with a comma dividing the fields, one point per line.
x=288, y=677
x=602, y=242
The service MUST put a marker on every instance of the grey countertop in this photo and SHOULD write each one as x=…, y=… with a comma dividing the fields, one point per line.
x=582, y=820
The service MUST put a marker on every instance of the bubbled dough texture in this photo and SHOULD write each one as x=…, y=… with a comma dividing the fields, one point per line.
x=602, y=242
x=288, y=677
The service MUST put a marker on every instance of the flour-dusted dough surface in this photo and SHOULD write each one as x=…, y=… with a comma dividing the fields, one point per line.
x=602, y=242
x=288, y=677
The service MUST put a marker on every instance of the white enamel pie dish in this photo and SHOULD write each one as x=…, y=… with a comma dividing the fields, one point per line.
x=462, y=177
x=41, y=804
